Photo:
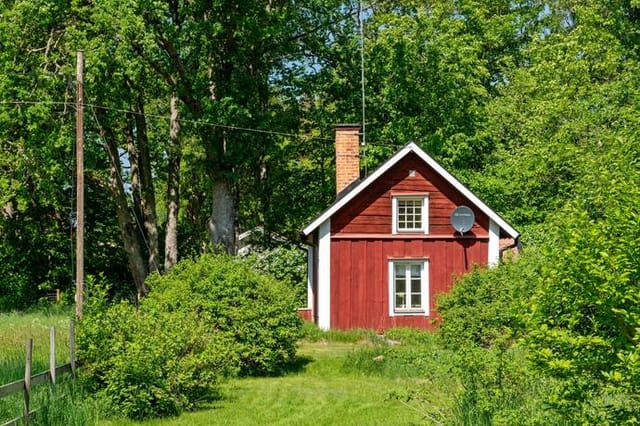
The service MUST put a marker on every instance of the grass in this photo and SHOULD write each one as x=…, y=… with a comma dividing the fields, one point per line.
x=336, y=381
x=16, y=328
x=56, y=406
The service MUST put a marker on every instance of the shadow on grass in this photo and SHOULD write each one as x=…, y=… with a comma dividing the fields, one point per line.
x=297, y=365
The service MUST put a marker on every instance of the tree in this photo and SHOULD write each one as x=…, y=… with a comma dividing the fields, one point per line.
x=572, y=95
x=36, y=168
x=585, y=318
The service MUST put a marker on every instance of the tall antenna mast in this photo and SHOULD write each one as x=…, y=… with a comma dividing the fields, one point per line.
x=79, y=183
x=364, y=123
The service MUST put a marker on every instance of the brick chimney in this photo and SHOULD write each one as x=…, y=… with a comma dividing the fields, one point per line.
x=347, y=155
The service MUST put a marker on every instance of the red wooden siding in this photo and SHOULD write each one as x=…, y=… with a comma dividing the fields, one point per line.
x=360, y=282
x=306, y=314
x=370, y=212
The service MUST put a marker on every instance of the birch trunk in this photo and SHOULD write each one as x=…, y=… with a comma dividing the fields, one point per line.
x=173, y=188
x=134, y=170
x=128, y=230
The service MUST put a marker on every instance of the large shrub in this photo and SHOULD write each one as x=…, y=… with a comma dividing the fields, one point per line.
x=482, y=318
x=257, y=311
x=204, y=321
x=487, y=304
x=585, y=321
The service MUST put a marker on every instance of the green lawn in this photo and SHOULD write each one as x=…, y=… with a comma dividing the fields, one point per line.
x=321, y=392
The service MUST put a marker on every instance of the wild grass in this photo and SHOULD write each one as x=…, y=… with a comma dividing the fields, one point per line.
x=311, y=333
x=16, y=328
x=63, y=405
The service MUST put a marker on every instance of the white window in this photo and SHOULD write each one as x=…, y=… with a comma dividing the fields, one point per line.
x=410, y=214
x=408, y=287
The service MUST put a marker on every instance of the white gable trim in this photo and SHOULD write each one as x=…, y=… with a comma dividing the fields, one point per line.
x=310, y=275
x=324, y=275
x=412, y=147
x=494, y=243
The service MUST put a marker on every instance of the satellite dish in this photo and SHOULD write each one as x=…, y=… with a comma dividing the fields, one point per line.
x=462, y=219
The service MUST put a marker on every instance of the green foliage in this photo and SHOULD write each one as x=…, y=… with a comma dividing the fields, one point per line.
x=585, y=319
x=259, y=312
x=15, y=291
x=486, y=304
x=286, y=264
x=151, y=364
x=206, y=320
x=499, y=387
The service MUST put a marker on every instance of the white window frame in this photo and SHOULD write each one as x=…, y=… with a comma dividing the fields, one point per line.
x=424, y=288
x=424, y=198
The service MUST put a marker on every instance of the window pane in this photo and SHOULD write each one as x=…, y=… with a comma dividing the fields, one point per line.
x=415, y=286
x=416, y=301
x=408, y=286
x=415, y=271
x=399, y=271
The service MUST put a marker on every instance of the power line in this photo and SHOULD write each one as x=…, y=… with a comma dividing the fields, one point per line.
x=167, y=117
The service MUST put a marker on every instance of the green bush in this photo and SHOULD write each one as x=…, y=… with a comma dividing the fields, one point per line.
x=204, y=321
x=286, y=264
x=15, y=292
x=488, y=304
x=258, y=311
x=585, y=321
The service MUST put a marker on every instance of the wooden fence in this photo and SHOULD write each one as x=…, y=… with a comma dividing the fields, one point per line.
x=50, y=376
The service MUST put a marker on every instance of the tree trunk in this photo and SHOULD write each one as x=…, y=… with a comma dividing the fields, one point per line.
x=134, y=170
x=147, y=192
x=128, y=229
x=173, y=188
x=221, y=222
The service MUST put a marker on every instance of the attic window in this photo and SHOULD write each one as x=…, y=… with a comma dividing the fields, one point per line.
x=410, y=214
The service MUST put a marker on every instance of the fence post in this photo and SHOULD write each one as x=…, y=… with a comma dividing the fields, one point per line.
x=52, y=355
x=27, y=380
x=72, y=348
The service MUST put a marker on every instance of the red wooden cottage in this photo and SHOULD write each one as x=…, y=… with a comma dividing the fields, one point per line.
x=385, y=248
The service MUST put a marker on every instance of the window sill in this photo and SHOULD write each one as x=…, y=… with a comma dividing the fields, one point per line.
x=420, y=313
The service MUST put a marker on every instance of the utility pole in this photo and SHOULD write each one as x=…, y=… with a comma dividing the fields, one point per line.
x=79, y=184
